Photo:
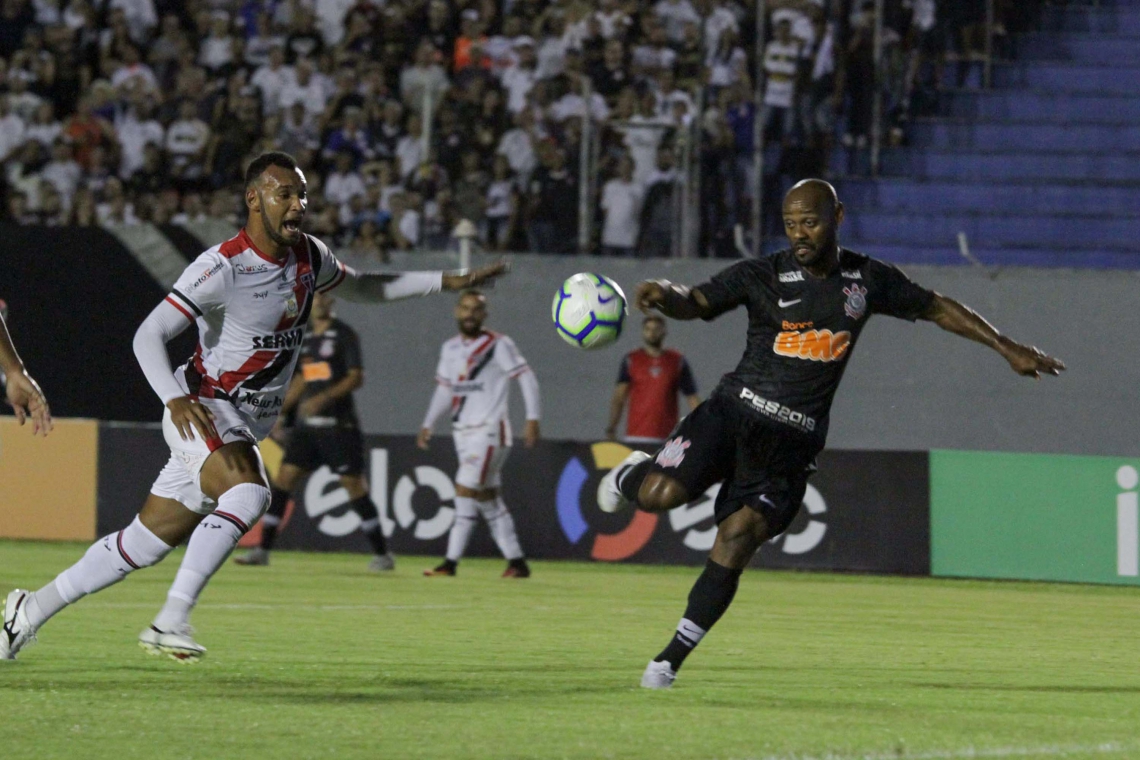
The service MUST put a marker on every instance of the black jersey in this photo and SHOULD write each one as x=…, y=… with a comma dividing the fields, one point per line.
x=802, y=329
x=325, y=360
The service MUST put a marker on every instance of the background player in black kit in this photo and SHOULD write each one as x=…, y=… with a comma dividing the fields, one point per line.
x=763, y=426
x=325, y=431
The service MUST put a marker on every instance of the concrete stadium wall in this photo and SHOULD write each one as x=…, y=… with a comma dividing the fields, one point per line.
x=908, y=387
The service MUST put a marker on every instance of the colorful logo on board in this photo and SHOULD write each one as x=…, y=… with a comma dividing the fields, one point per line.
x=608, y=547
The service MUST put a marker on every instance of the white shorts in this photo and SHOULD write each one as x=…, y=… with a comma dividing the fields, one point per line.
x=179, y=478
x=482, y=452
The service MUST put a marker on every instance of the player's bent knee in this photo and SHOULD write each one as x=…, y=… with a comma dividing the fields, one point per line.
x=660, y=493
x=244, y=504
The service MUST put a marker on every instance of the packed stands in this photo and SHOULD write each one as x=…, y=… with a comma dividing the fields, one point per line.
x=410, y=115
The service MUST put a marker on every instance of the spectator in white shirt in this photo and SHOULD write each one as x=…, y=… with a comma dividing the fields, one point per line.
x=655, y=54
x=218, y=49
x=621, y=204
x=305, y=88
x=344, y=183
x=12, y=130
x=133, y=75
x=22, y=102
x=614, y=22
x=423, y=76
x=409, y=149
x=62, y=171
x=186, y=141
x=781, y=63
x=135, y=128
x=518, y=146
x=272, y=78
x=519, y=79
x=44, y=128
x=675, y=14
x=723, y=16
x=141, y=17
x=259, y=46
x=404, y=228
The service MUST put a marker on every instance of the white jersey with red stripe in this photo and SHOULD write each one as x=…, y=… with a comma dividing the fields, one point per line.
x=252, y=312
x=478, y=372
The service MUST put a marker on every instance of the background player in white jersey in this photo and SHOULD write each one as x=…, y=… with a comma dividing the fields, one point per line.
x=250, y=298
x=473, y=382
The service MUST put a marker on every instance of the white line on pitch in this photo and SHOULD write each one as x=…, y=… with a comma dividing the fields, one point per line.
x=283, y=605
x=973, y=752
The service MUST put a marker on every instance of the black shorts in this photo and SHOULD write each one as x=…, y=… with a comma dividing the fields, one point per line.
x=342, y=449
x=763, y=466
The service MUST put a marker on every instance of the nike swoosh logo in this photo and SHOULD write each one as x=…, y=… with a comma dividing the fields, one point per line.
x=785, y=304
x=602, y=299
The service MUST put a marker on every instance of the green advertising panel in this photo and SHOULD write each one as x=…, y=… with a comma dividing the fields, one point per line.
x=1034, y=517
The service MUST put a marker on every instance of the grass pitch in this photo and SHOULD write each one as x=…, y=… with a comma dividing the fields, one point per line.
x=313, y=657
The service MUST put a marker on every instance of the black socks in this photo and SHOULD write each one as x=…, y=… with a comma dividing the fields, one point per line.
x=710, y=597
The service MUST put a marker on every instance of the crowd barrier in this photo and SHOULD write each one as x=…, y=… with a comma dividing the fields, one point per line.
x=942, y=513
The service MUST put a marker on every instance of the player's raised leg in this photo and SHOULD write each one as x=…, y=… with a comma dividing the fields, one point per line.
x=234, y=477
x=162, y=524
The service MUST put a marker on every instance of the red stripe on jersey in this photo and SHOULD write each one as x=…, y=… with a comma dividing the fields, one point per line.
x=301, y=289
x=482, y=347
x=259, y=361
x=336, y=280
x=178, y=306
x=244, y=242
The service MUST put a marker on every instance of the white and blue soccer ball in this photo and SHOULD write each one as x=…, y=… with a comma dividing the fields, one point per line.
x=589, y=310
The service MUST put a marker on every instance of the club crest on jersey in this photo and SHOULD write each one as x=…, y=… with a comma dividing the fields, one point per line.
x=327, y=349
x=309, y=281
x=291, y=309
x=673, y=452
x=856, y=305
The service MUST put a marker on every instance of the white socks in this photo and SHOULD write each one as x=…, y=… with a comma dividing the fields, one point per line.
x=466, y=515
x=502, y=527
x=211, y=543
x=107, y=562
x=499, y=520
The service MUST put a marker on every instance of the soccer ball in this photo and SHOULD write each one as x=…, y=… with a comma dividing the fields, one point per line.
x=588, y=310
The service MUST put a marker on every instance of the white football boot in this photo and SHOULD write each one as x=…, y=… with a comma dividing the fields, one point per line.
x=177, y=644
x=18, y=632
x=609, y=497
x=658, y=675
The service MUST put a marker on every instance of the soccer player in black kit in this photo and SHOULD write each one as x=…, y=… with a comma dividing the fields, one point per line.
x=325, y=431
x=763, y=426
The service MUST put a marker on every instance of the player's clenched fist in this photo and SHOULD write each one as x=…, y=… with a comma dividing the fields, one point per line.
x=649, y=295
x=188, y=415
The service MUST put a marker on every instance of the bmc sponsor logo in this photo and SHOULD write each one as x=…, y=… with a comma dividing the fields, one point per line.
x=207, y=275
x=813, y=345
x=854, y=274
x=287, y=339
x=777, y=411
x=251, y=268
x=791, y=276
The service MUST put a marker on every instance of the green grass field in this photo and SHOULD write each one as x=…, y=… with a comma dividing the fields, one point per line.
x=315, y=658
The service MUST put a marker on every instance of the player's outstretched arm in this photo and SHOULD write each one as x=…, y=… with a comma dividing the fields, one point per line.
x=372, y=287
x=670, y=299
x=962, y=320
x=23, y=392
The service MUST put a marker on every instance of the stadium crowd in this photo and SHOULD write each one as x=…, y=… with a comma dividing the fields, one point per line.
x=409, y=115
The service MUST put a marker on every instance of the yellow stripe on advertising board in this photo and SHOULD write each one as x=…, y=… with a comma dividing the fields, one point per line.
x=48, y=485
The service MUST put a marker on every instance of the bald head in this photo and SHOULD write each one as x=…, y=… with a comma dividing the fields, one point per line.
x=812, y=215
x=815, y=194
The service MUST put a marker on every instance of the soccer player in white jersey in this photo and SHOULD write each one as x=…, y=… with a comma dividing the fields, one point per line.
x=250, y=298
x=473, y=383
